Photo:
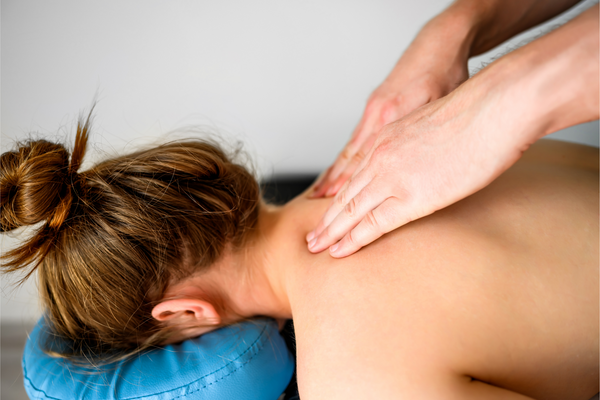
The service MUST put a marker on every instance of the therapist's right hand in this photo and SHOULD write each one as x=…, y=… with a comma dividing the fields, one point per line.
x=431, y=158
x=434, y=64
x=449, y=149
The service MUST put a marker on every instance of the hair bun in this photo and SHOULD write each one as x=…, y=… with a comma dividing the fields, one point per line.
x=34, y=184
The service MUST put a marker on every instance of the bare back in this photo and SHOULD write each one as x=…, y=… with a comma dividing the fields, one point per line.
x=497, y=291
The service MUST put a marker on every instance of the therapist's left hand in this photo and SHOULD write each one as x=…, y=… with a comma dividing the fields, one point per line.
x=434, y=64
x=452, y=147
x=433, y=157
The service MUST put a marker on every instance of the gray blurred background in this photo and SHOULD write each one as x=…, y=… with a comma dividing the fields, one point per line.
x=287, y=79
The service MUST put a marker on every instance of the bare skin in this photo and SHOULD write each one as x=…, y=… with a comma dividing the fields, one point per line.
x=454, y=146
x=493, y=297
x=432, y=67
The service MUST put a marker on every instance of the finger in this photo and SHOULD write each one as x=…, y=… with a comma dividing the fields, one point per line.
x=352, y=166
x=348, y=217
x=383, y=219
x=363, y=132
x=318, y=182
x=321, y=225
x=359, y=179
x=336, y=205
x=332, y=173
x=366, y=125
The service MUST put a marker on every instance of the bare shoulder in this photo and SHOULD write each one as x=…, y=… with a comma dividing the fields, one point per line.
x=398, y=319
x=501, y=287
x=563, y=153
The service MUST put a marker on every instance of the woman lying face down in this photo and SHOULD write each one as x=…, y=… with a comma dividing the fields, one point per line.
x=493, y=297
x=116, y=236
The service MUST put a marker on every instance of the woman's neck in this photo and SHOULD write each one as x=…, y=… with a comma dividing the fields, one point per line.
x=268, y=262
x=255, y=280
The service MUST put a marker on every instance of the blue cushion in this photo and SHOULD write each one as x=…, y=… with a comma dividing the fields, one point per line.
x=248, y=360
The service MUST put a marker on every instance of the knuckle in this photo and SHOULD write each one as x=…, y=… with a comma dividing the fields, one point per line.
x=403, y=195
x=340, y=199
x=335, y=168
x=358, y=157
x=344, y=177
x=345, y=186
x=382, y=148
x=350, y=239
x=350, y=208
x=371, y=221
x=388, y=111
x=346, y=154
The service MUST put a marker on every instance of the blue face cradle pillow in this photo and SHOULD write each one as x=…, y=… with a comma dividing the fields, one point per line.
x=248, y=360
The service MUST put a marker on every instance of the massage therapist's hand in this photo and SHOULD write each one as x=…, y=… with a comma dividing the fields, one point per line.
x=456, y=145
x=429, y=69
x=434, y=64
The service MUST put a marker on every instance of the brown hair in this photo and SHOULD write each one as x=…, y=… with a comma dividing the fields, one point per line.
x=114, y=236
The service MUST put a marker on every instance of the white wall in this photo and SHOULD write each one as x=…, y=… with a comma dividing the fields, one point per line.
x=289, y=79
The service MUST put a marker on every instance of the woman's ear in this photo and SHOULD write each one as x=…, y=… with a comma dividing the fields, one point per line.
x=187, y=312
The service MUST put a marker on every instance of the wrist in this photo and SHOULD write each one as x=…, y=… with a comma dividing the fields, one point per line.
x=462, y=21
x=560, y=75
x=440, y=50
x=453, y=32
x=495, y=21
x=547, y=85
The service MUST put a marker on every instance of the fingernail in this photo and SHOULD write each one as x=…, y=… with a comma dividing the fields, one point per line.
x=312, y=243
x=334, y=248
x=310, y=236
x=330, y=192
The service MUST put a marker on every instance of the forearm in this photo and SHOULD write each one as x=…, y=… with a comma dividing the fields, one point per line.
x=547, y=85
x=495, y=21
x=468, y=28
x=564, y=74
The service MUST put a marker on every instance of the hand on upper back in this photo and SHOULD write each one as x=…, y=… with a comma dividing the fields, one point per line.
x=452, y=147
x=433, y=157
x=424, y=73
x=434, y=64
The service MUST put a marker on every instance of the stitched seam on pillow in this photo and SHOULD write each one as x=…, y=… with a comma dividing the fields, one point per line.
x=38, y=391
x=220, y=379
x=212, y=373
x=262, y=333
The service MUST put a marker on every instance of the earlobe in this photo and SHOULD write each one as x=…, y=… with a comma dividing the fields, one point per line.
x=187, y=312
